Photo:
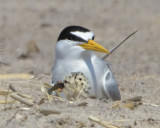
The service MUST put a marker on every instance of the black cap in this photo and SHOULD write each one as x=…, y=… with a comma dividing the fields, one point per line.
x=66, y=33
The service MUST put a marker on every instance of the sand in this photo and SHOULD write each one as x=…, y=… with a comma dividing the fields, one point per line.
x=28, y=33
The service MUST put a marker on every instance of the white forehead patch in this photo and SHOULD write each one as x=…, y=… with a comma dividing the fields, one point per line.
x=84, y=35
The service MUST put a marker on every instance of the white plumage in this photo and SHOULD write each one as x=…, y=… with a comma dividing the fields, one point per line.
x=75, y=53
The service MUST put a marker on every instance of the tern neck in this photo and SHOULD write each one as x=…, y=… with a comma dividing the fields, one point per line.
x=69, y=50
x=74, y=55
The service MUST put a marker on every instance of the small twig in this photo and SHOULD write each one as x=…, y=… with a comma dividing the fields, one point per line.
x=123, y=120
x=8, y=102
x=45, y=92
x=80, y=92
x=12, y=88
x=134, y=99
x=16, y=76
x=25, y=109
x=154, y=105
x=59, y=98
x=21, y=99
x=4, y=92
x=117, y=45
x=22, y=95
x=104, y=123
x=116, y=104
x=47, y=111
x=6, y=99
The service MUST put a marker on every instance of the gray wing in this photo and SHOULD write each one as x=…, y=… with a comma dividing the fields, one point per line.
x=110, y=87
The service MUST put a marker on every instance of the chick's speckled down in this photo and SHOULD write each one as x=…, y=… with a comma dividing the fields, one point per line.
x=76, y=84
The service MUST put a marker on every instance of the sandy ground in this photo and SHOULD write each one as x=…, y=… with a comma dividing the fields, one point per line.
x=135, y=64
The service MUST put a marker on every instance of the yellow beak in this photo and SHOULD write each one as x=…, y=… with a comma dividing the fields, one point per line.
x=92, y=45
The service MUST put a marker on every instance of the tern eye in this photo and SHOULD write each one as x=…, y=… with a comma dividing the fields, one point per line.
x=70, y=37
x=93, y=37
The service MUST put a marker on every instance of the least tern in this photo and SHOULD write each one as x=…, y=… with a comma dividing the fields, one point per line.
x=74, y=52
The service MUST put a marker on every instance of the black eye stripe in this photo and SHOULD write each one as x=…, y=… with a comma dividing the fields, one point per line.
x=66, y=33
x=93, y=37
x=75, y=38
